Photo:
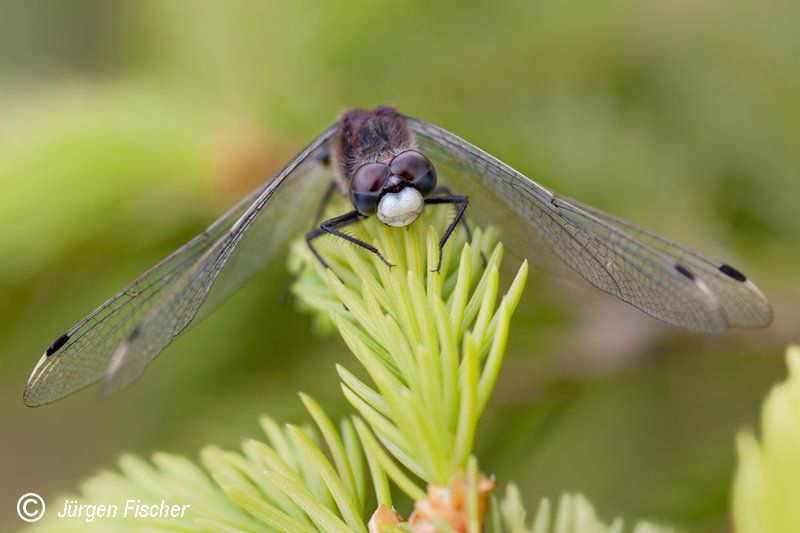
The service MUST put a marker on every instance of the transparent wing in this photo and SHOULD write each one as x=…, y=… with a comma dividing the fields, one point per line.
x=283, y=210
x=81, y=356
x=666, y=281
x=742, y=302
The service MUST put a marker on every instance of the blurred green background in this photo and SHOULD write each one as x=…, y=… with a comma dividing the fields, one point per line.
x=126, y=127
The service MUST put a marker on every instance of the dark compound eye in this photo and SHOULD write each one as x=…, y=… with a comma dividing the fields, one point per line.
x=366, y=185
x=370, y=178
x=416, y=168
x=410, y=165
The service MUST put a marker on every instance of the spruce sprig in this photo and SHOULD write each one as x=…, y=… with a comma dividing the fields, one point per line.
x=430, y=346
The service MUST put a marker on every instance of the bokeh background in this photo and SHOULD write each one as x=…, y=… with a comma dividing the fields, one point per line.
x=126, y=127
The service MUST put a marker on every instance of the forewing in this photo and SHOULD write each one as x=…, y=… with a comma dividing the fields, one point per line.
x=283, y=210
x=612, y=257
x=79, y=357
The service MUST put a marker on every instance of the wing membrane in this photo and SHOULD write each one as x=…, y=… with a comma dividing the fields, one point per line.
x=668, y=282
x=278, y=214
x=88, y=346
x=82, y=356
x=743, y=303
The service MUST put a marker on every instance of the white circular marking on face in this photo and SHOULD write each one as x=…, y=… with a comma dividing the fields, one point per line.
x=400, y=209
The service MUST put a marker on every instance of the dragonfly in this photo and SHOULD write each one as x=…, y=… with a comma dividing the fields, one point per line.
x=392, y=166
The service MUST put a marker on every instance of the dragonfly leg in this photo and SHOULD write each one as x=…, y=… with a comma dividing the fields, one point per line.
x=332, y=226
x=462, y=202
x=445, y=190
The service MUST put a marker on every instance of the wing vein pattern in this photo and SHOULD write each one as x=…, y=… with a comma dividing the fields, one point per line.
x=117, y=340
x=669, y=282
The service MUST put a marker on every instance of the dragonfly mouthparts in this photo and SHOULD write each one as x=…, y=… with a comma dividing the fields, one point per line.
x=401, y=208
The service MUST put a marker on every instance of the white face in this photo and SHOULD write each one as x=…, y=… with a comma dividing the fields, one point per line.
x=400, y=209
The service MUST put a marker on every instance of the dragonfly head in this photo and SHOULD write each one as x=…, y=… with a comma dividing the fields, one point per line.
x=395, y=190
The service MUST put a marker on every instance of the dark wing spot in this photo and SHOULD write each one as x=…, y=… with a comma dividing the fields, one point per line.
x=58, y=343
x=732, y=272
x=134, y=333
x=685, y=271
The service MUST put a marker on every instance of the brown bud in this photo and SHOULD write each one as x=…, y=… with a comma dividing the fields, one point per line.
x=450, y=505
x=383, y=515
